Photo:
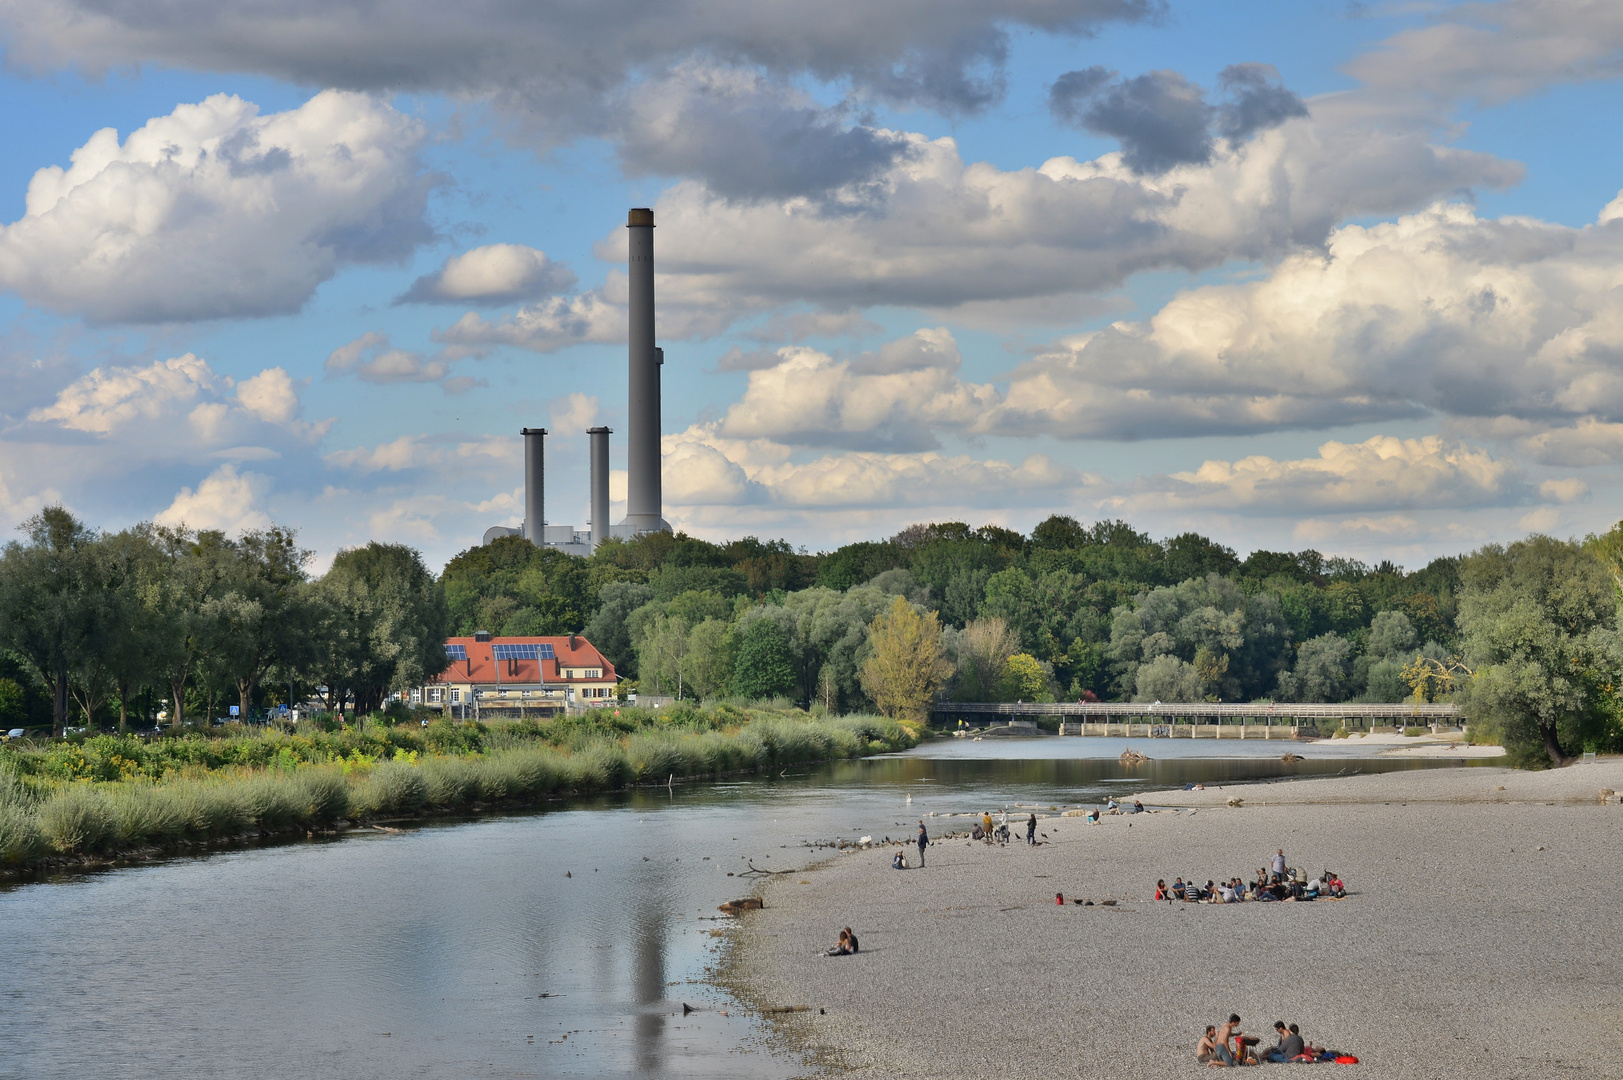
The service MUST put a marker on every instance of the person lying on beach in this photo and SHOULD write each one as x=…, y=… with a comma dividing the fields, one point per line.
x=1207, y=1046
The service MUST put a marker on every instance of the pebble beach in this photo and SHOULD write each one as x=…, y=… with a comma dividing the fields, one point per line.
x=1479, y=937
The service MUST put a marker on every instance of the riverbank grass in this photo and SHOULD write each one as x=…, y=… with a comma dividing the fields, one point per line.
x=112, y=795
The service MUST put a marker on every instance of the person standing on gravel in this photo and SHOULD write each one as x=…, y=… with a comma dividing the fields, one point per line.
x=1279, y=865
x=924, y=842
x=1031, y=830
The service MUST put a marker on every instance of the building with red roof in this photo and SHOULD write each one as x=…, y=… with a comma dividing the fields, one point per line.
x=514, y=677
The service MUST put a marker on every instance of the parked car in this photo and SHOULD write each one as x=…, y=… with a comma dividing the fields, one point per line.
x=15, y=733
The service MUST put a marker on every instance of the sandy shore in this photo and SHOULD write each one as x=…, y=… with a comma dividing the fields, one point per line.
x=1479, y=940
x=1447, y=745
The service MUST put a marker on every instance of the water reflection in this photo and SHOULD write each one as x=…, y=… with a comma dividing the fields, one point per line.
x=534, y=945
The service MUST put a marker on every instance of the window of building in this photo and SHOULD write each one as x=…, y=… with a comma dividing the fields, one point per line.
x=456, y=696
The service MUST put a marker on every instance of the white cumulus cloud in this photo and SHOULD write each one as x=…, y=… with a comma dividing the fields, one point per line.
x=225, y=500
x=493, y=274
x=216, y=211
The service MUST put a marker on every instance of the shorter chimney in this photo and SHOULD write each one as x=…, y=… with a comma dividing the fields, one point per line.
x=600, y=483
x=535, y=460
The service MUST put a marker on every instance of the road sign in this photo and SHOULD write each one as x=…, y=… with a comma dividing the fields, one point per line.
x=235, y=709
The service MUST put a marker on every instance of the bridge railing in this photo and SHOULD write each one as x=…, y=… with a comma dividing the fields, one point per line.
x=1205, y=713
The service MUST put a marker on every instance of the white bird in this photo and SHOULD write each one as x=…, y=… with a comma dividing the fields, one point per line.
x=866, y=840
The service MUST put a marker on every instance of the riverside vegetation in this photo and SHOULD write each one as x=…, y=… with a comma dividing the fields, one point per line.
x=105, y=795
x=166, y=623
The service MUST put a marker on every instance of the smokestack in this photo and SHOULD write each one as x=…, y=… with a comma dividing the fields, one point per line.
x=600, y=483
x=644, y=500
x=535, y=490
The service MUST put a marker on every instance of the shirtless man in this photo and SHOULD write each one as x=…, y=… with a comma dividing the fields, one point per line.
x=1231, y=1030
x=1207, y=1046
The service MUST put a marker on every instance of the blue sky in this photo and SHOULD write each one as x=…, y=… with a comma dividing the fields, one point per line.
x=1300, y=274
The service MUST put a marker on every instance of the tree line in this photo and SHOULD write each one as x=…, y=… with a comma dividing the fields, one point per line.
x=168, y=619
x=1525, y=633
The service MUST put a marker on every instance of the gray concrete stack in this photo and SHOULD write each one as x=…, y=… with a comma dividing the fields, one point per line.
x=535, y=460
x=600, y=483
x=644, y=499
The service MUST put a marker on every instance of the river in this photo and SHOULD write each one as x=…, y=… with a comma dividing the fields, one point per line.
x=560, y=943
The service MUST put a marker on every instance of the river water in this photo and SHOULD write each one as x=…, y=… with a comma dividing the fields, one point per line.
x=560, y=943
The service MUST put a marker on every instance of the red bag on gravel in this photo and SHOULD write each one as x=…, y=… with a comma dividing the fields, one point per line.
x=1346, y=1059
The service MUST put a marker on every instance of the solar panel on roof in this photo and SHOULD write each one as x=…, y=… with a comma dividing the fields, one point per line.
x=455, y=652
x=523, y=651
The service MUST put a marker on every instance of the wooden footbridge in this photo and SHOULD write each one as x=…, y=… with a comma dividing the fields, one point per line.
x=1198, y=720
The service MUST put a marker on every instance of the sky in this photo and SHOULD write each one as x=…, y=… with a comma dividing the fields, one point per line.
x=1321, y=274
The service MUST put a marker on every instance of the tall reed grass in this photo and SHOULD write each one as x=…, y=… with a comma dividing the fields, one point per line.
x=43, y=818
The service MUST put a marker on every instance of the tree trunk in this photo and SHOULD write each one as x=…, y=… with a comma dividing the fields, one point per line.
x=59, y=703
x=123, y=707
x=1552, y=746
x=177, y=689
x=245, y=693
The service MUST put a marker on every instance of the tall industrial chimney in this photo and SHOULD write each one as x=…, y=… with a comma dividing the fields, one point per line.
x=644, y=501
x=535, y=484
x=600, y=483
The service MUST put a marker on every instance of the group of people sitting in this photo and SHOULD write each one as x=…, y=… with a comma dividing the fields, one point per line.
x=1281, y=883
x=847, y=946
x=1228, y=1045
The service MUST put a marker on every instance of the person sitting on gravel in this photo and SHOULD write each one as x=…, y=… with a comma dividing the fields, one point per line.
x=977, y=833
x=1289, y=1045
x=1207, y=1046
x=899, y=862
x=1210, y=893
x=1162, y=892
x=1221, y=1054
x=1179, y=890
x=1138, y=807
x=844, y=947
x=1337, y=888
x=851, y=939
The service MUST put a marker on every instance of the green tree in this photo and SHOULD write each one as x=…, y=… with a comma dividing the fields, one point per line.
x=1539, y=624
x=386, y=621
x=1167, y=678
x=1024, y=679
x=763, y=665
x=662, y=643
x=609, y=629
x=1323, y=665
x=981, y=653
x=907, y=666
x=707, y=664
x=48, y=605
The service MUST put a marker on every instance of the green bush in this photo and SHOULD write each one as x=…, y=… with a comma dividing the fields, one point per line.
x=393, y=788
x=78, y=820
x=21, y=840
x=450, y=783
x=146, y=814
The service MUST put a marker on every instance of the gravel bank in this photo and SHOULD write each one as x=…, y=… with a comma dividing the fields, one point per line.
x=1480, y=939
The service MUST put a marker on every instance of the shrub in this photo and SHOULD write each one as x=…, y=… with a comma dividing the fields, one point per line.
x=78, y=819
x=394, y=788
x=450, y=782
x=324, y=795
x=21, y=840
x=145, y=814
x=211, y=810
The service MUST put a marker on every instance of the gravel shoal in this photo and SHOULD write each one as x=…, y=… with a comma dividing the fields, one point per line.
x=1480, y=938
